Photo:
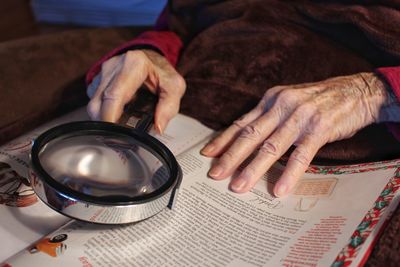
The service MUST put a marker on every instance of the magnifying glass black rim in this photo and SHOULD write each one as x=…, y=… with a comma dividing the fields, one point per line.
x=150, y=143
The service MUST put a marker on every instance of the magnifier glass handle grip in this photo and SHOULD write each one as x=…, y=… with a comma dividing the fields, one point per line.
x=145, y=123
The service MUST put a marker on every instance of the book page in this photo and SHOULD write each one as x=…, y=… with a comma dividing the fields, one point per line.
x=183, y=133
x=24, y=218
x=212, y=226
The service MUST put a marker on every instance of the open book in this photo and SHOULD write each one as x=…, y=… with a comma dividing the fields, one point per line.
x=332, y=217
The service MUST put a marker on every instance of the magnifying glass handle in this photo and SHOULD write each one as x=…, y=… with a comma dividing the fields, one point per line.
x=145, y=123
x=142, y=107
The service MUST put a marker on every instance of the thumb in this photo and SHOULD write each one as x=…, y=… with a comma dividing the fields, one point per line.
x=168, y=103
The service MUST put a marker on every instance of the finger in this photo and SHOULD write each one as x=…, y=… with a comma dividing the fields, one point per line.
x=99, y=83
x=270, y=151
x=279, y=99
x=247, y=141
x=220, y=144
x=297, y=164
x=124, y=85
x=167, y=106
x=91, y=89
x=93, y=107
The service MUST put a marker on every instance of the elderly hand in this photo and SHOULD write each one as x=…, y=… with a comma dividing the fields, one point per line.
x=120, y=78
x=306, y=116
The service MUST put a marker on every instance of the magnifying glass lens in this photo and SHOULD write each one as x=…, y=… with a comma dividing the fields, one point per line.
x=103, y=164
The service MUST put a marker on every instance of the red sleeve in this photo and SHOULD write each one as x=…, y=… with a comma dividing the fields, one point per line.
x=392, y=77
x=165, y=42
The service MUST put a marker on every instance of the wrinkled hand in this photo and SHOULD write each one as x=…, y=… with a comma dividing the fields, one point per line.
x=306, y=116
x=120, y=78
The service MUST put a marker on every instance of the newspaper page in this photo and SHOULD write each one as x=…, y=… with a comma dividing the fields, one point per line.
x=24, y=218
x=212, y=226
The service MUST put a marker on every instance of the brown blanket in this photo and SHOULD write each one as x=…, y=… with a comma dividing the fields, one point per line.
x=236, y=50
x=42, y=77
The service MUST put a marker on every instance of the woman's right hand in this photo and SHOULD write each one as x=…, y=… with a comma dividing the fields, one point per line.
x=120, y=78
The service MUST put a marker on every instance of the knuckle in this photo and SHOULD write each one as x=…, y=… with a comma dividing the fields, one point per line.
x=136, y=60
x=226, y=158
x=251, y=132
x=179, y=84
x=111, y=94
x=249, y=171
x=241, y=122
x=320, y=123
x=261, y=106
x=294, y=125
x=106, y=68
x=273, y=90
x=135, y=55
x=301, y=157
x=286, y=96
x=109, y=63
x=90, y=109
x=269, y=95
x=105, y=65
x=269, y=148
x=306, y=110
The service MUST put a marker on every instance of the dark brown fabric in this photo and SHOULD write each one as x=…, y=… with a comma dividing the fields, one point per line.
x=236, y=50
x=42, y=77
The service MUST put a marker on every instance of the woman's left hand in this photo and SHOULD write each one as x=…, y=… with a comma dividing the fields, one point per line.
x=306, y=116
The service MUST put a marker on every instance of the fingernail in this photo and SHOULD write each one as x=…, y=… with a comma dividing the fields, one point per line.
x=207, y=149
x=238, y=185
x=281, y=190
x=159, y=129
x=216, y=171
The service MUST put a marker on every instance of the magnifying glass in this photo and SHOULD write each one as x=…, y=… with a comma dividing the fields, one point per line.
x=104, y=173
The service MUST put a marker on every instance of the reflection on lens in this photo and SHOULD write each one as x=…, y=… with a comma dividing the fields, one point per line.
x=101, y=164
x=84, y=164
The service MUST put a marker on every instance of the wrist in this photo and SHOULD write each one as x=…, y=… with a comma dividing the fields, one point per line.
x=390, y=111
x=380, y=103
x=390, y=108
